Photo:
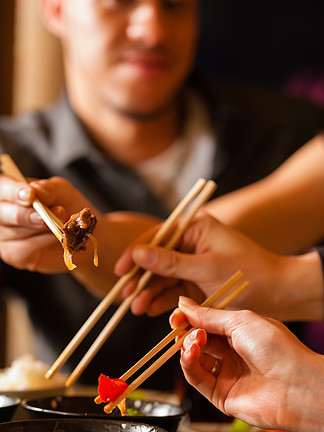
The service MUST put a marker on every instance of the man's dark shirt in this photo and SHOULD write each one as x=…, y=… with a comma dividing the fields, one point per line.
x=256, y=131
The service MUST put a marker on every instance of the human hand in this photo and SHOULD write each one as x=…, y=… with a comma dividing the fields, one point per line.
x=25, y=240
x=286, y=288
x=208, y=254
x=264, y=376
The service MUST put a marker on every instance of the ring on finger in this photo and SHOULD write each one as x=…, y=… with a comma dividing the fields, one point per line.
x=216, y=367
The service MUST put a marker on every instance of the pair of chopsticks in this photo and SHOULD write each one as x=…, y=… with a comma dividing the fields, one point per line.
x=9, y=168
x=196, y=197
x=226, y=301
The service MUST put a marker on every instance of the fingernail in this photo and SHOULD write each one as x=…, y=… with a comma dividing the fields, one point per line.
x=173, y=317
x=186, y=302
x=144, y=256
x=193, y=335
x=36, y=219
x=25, y=195
x=190, y=347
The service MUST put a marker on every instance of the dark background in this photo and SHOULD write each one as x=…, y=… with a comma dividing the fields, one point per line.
x=270, y=43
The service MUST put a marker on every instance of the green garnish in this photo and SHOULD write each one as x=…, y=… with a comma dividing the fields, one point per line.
x=239, y=426
x=134, y=412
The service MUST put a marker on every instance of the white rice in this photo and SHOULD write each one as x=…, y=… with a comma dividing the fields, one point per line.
x=27, y=373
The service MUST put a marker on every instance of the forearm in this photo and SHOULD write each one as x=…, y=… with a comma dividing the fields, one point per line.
x=284, y=212
x=114, y=232
x=299, y=293
x=304, y=407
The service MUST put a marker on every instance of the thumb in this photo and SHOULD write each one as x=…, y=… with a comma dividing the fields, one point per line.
x=168, y=263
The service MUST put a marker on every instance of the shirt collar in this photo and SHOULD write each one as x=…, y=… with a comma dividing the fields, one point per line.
x=72, y=142
x=70, y=139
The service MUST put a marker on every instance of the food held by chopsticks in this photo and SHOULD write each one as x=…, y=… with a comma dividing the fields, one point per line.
x=109, y=389
x=195, y=198
x=229, y=293
x=76, y=231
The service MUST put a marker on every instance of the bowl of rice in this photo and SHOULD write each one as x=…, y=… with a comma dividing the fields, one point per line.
x=25, y=378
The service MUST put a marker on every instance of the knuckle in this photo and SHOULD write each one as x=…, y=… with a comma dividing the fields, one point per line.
x=239, y=319
x=60, y=181
x=172, y=262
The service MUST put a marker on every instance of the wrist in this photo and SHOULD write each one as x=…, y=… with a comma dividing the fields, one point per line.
x=304, y=404
x=300, y=288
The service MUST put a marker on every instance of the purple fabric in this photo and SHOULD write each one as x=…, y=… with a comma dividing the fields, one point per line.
x=314, y=336
x=307, y=84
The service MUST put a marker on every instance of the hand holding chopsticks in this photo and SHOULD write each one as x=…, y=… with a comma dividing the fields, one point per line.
x=72, y=235
x=201, y=192
x=226, y=301
x=9, y=168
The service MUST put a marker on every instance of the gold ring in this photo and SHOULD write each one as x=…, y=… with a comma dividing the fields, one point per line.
x=216, y=367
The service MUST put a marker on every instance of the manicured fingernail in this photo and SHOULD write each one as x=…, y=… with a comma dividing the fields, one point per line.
x=36, y=219
x=173, y=317
x=189, y=348
x=25, y=195
x=144, y=256
x=193, y=335
x=186, y=302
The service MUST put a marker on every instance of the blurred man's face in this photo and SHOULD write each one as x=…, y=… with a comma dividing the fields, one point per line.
x=132, y=54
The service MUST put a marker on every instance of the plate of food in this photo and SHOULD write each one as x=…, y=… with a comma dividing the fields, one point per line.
x=25, y=377
x=161, y=414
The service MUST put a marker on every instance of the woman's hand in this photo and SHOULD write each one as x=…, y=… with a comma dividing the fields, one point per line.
x=263, y=374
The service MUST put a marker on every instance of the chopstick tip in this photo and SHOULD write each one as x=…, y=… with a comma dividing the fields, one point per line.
x=49, y=374
x=109, y=408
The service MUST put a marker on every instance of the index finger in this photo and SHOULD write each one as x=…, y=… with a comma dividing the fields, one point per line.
x=15, y=191
x=215, y=321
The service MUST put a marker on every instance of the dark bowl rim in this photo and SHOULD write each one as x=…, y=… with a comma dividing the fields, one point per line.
x=26, y=406
x=83, y=420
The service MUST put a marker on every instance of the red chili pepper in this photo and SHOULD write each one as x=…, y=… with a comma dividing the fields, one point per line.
x=109, y=389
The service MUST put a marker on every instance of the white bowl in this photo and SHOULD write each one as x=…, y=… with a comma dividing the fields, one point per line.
x=34, y=393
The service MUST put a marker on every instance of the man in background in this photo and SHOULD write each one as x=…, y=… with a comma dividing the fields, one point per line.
x=133, y=131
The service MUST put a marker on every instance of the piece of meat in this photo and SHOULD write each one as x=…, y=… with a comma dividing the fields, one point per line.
x=75, y=230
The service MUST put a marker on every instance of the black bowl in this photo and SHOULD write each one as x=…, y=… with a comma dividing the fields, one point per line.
x=76, y=425
x=160, y=414
x=8, y=406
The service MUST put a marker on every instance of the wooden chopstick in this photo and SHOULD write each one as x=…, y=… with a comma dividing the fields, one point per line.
x=116, y=289
x=171, y=336
x=177, y=345
x=204, y=195
x=9, y=168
